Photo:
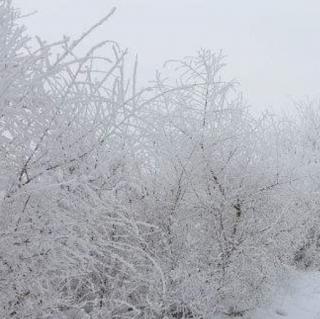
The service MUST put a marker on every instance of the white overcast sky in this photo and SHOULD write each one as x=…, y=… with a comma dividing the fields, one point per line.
x=272, y=46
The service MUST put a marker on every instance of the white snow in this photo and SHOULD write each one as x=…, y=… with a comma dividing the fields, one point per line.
x=298, y=298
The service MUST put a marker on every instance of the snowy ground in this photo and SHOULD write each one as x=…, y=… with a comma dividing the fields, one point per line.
x=299, y=298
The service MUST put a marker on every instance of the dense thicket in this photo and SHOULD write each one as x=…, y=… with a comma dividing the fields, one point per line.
x=171, y=201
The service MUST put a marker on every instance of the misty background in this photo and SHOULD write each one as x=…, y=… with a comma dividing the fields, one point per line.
x=272, y=47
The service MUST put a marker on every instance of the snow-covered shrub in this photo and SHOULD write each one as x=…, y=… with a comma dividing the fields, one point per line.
x=215, y=189
x=166, y=202
x=69, y=244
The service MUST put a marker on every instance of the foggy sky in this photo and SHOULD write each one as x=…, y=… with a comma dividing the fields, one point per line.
x=272, y=47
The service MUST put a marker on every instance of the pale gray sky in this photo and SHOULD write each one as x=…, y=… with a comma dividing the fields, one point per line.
x=273, y=46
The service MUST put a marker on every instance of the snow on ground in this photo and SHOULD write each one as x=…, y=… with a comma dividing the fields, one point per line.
x=298, y=298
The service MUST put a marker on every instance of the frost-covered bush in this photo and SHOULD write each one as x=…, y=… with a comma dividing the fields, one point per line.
x=69, y=241
x=215, y=189
x=171, y=201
